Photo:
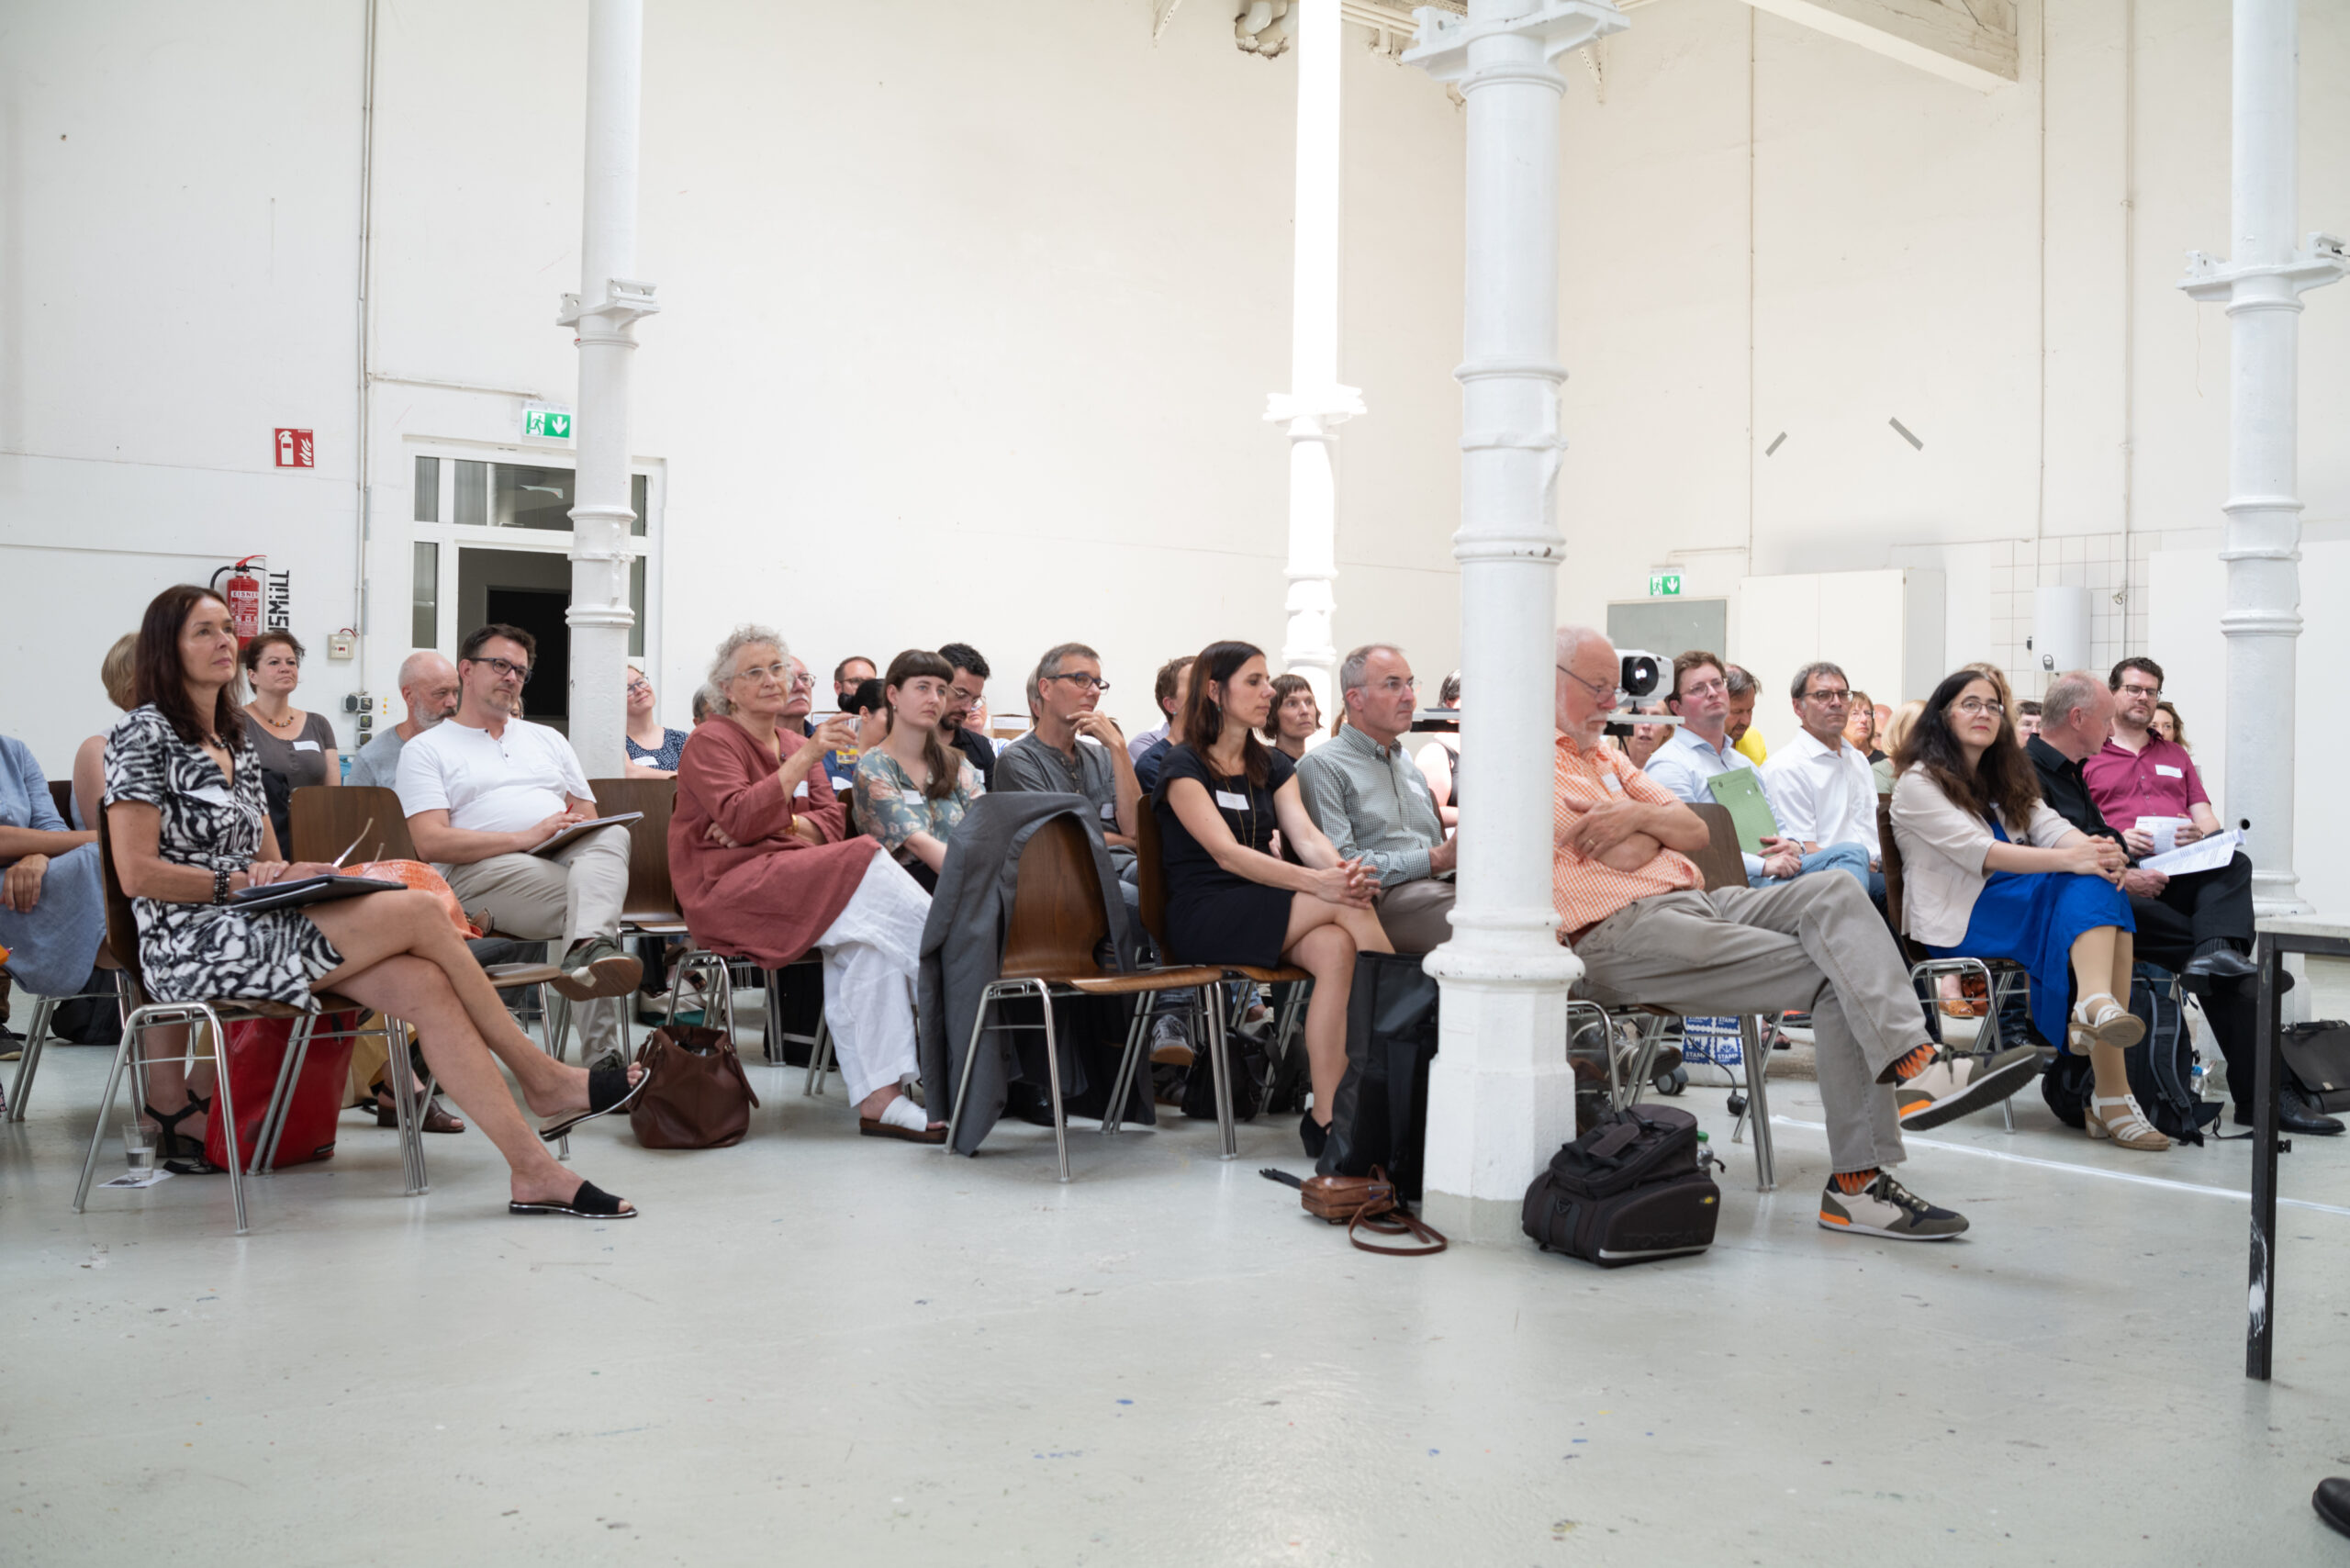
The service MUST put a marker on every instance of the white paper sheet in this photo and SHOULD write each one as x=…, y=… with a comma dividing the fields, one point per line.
x=2164, y=831
x=2203, y=854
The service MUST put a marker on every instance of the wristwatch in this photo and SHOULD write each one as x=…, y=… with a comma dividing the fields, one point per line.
x=219, y=885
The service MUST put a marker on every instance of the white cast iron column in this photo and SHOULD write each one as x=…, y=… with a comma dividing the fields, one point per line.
x=2262, y=284
x=1316, y=405
x=1501, y=1097
x=601, y=520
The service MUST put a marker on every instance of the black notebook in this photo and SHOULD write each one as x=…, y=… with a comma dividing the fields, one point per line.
x=308, y=889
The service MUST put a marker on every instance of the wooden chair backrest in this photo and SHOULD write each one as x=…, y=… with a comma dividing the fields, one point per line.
x=1150, y=877
x=122, y=924
x=650, y=892
x=326, y=818
x=1058, y=915
x=1720, y=862
x=61, y=791
x=1890, y=852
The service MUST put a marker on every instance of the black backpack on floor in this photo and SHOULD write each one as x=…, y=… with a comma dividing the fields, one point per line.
x=2161, y=1068
x=1631, y=1190
x=1379, y=1116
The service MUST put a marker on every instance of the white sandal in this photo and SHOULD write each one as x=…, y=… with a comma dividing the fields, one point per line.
x=2130, y=1128
x=2110, y=1024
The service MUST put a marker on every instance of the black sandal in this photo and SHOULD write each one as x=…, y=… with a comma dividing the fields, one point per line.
x=609, y=1090
x=591, y=1201
x=170, y=1142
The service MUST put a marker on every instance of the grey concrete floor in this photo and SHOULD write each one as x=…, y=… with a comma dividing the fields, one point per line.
x=813, y=1346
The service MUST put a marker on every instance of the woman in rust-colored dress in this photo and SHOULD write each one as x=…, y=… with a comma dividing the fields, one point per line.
x=763, y=865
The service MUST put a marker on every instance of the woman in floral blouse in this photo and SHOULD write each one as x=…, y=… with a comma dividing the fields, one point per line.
x=912, y=789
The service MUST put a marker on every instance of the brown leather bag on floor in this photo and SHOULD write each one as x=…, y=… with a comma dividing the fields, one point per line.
x=699, y=1097
x=1363, y=1203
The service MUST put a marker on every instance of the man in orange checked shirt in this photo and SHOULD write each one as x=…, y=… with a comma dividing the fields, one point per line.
x=1634, y=907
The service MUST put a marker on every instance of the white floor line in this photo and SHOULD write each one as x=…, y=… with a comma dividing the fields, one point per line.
x=2228, y=1193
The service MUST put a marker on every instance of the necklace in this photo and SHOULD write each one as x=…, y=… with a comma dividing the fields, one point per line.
x=293, y=717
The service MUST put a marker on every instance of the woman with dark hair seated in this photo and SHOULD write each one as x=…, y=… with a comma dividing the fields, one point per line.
x=1295, y=716
x=184, y=815
x=914, y=787
x=1989, y=871
x=1229, y=899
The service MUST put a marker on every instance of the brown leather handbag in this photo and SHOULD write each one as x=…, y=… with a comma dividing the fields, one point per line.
x=698, y=1096
x=1363, y=1203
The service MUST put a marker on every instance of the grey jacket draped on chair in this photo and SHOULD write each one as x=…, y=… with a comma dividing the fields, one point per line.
x=962, y=953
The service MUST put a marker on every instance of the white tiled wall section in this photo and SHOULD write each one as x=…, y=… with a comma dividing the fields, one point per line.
x=2093, y=561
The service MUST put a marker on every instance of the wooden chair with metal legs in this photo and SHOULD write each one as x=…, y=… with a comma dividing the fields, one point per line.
x=1151, y=885
x=214, y=1014
x=1058, y=921
x=2000, y=976
x=368, y=819
x=1722, y=865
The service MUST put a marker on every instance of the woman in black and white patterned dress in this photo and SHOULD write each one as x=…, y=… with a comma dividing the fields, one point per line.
x=185, y=815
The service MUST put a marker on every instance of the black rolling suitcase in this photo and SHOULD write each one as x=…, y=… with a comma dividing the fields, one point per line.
x=1631, y=1190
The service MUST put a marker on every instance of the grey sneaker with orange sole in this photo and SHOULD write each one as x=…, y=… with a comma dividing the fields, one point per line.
x=1885, y=1207
x=1954, y=1084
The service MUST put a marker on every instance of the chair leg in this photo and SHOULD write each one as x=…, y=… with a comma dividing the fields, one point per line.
x=29, y=1063
x=1053, y=1075
x=409, y=1105
x=1115, y=1115
x=105, y=1109
x=820, y=1059
x=280, y=1102
x=1222, y=1072
x=970, y=1054
x=1756, y=1055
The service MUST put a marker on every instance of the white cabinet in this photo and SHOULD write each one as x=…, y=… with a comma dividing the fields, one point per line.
x=1884, y=629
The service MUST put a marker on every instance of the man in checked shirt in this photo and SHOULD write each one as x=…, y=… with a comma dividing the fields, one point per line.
x=1634, y=907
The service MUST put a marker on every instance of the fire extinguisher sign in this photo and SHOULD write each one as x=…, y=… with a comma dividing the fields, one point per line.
x=296, y=449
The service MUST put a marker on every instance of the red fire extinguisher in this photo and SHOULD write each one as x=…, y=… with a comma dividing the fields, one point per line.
x=243, y=594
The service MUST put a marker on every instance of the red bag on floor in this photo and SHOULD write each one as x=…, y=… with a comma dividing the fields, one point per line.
x=256, y=1053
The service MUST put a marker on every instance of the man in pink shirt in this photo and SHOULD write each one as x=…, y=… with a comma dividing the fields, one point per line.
x=2138, y=774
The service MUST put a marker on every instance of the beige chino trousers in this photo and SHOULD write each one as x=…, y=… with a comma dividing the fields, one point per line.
x=572, y=896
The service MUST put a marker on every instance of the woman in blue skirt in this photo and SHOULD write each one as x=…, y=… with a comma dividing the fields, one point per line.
x=1989, y=871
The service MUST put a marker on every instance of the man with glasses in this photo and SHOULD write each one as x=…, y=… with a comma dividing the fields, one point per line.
x=1701, y=749
x=967, y=692
x=1370, y=798
x=483, y=791
x=847, y=676
x=2137, y=774
x=1633, y=906
x=802, y=702
x=1819, y=785
x=1076, y=749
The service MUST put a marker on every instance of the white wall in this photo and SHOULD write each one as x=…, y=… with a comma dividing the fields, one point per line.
x=967, y=327
x=1886, y=240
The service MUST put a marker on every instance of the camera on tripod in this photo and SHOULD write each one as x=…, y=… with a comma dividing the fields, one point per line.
x=1641, y=677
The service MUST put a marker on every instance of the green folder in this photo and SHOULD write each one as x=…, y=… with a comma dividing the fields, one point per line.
x=1741, y=789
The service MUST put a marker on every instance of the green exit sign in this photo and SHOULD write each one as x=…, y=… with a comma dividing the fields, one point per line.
x=546, y=424
x=1664, y=584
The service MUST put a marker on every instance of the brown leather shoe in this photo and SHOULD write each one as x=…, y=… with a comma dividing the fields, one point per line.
x=598, y=969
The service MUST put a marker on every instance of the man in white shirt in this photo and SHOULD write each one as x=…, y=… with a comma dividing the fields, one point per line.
x=429, y=687
x=482, y=790
x=1701, y=747
x=1819, y=785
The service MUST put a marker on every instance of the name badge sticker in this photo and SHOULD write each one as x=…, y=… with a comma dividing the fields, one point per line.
x=1230, y=802
x=1614, y=785
x=2166, y=772
x=1109, y=811
x=800, y=790
x=306, y=745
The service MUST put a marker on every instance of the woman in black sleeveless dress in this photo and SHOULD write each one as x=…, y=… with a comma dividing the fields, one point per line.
x=1229, y=899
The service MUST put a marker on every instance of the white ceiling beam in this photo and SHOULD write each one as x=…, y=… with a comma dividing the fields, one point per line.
x=1971, y=42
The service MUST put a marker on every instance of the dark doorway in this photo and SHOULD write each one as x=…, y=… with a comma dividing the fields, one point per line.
x=546, y=699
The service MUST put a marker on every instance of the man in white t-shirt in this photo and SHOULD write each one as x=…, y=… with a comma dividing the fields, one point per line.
x=482, y=789
x=1819, y=786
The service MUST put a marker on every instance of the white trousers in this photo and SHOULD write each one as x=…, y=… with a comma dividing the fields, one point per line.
x=871, y=954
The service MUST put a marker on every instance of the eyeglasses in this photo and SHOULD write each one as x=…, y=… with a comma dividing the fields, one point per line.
x=2141, y=691
x=1602, y=692
x=638, y=685
x=804, y=683
x=507, y=667
x=1831, y=698
x=1706, y=688
x=1396, y=685
x=962, y=695
x=1979, y=705
x=1082, y=682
